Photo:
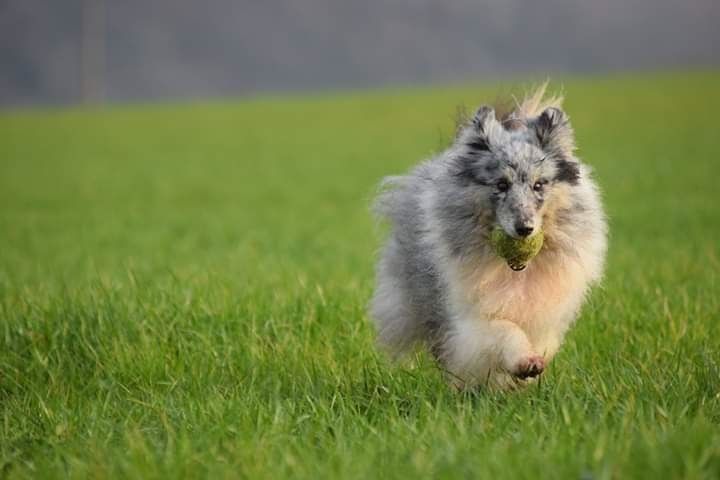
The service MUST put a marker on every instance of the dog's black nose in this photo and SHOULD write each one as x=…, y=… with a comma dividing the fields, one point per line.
x=523, y=230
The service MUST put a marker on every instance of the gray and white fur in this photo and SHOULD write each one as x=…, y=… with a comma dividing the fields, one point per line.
x=440, y=284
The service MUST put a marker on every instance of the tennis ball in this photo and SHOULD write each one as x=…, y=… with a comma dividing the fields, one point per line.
x=516, y=251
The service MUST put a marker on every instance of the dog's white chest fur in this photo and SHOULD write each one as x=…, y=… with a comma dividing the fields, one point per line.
x=542, y=299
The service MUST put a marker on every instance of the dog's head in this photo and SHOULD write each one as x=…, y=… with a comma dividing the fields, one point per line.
x=515, y=166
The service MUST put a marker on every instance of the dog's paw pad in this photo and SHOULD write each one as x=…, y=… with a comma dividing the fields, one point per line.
x=530, y=367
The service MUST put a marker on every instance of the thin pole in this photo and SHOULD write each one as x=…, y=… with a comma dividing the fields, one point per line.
x=93, y=51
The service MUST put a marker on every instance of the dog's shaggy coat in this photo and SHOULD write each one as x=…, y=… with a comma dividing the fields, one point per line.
x=438, y=280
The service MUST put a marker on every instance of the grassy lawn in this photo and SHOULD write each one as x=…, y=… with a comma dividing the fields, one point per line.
x=183, y=293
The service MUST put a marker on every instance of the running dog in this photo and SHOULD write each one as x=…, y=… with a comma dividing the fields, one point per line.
x=439, y=282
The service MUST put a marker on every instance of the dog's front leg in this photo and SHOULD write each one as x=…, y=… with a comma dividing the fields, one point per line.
x=476, y=348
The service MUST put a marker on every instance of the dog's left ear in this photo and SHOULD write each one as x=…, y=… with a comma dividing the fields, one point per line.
x=554, y=132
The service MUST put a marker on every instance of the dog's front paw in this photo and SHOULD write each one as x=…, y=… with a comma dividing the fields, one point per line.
x=529, y=367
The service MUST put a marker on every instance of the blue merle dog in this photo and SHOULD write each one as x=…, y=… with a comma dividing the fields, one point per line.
x=440, y=284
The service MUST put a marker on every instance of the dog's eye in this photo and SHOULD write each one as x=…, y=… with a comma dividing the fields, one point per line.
x=503, y=186
x=538, y=187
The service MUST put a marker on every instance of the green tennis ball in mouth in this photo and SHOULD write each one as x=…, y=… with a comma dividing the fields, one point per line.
x=516, y=251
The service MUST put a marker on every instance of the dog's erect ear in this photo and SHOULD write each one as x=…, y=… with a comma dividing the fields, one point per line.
x=554, y=132
x=550, y=120
x=556, y=137
x=482, y=119
x=483, y=122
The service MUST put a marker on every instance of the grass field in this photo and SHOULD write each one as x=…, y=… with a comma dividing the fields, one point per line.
x=183, y=292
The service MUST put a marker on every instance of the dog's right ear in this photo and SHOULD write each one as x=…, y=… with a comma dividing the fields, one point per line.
x=482, y=124
x=484, y=116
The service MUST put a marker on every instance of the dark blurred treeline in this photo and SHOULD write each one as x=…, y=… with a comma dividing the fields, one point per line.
x=65, y=51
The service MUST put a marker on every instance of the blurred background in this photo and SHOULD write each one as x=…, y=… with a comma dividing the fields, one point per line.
x=72, y=51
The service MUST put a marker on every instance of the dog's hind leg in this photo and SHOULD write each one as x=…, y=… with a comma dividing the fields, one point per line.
x=397, y=328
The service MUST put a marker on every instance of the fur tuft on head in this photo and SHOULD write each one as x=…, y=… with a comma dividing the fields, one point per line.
x=534, y=103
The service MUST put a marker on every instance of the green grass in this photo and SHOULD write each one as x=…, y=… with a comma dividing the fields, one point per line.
x=183, y=292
